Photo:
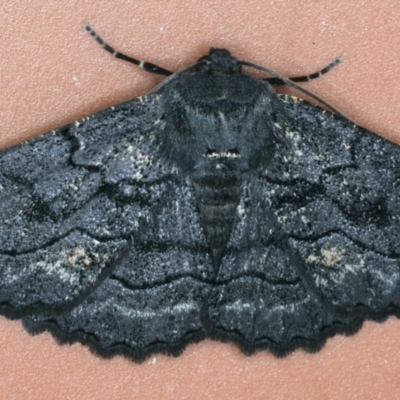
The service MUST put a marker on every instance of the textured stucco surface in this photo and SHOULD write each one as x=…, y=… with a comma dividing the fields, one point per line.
x=51, y=73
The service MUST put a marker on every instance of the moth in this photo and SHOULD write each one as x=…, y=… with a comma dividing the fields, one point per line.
x=210, y=208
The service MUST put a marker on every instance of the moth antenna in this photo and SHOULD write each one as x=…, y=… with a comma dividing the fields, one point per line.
x=306, y=78
x=148, y=67
x=292, y=83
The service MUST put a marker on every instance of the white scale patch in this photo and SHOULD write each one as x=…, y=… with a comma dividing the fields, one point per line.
x=240, y=306
x=161, y=312
x=223, y=154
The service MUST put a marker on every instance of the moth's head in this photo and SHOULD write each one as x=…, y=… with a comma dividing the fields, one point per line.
x=219, y=61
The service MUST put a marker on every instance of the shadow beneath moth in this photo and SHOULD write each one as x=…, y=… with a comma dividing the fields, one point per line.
x=210, y=208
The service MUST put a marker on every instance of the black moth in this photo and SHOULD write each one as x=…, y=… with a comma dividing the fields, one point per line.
x=211, y=207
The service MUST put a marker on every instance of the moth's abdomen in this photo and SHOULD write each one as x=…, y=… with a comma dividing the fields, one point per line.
x=217, y=201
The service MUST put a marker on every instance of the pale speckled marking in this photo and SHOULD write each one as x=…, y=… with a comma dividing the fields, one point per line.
x=79, y=255
x=241, y=210
x=129, y=312
x=389, y=281
x=331, y=257
x=141, y=161
x=56, y=268
x=334, y=257
x=305, y=220
x=291, y=134
x=130, y=149
x=240, y=306
x=298, y=153
x=223, y=154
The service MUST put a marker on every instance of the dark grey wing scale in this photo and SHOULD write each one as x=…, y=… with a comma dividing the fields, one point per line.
x=214, y=208
x=97, y=234
x=47, y=262
x=327, y=256
x=343, y=214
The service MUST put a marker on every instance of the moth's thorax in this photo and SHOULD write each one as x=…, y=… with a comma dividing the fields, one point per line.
x=216, y=122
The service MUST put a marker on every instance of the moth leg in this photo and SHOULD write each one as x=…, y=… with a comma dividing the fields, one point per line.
x=306, y=78
x=148, y=67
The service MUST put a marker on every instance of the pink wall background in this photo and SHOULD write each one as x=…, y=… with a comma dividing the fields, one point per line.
x=51, y=73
